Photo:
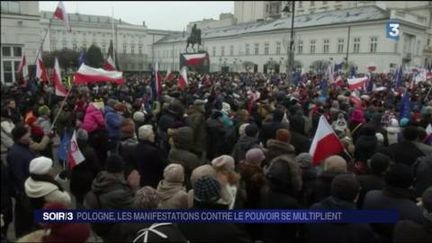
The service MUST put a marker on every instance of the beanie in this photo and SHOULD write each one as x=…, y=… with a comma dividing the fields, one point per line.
x=255, y=156
x=19, y=131
x=43, y=110
x=147, y=198
x=114, y=164
x=345, y=187
x=174, y=173
x=223, y=162
x=304, y=160
x=399, y=176
x=283, y=135
x=379, y=162
x=40, y=165
x=207, y=189
x=251, y=130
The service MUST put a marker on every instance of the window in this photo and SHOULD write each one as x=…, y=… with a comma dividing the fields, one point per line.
x=214, y=51
x=373, y=44
x=299, y=46
x=300, y=4
x=256, y=49
x=64, y=43
x=356, y=45
x=266, y=48
x=247, y=49
x=124, y=48
x=7, y=71
x=340, y=47
x=6, y=51
x=312, y=46
x=418, y=47
x=10, y=7
x=231, y=50
x=140, y=49
x=222, y=50
x=85, y=45
x=53, y=45
x=278, y=48
x=17, y=51
x=132, y=49
x=326, y=46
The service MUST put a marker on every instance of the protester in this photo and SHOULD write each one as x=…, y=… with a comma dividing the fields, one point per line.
x=171, y=190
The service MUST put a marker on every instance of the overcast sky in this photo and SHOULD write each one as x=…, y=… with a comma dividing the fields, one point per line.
x=157, y=15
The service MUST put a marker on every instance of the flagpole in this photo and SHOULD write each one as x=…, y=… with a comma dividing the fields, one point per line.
x=113, y=35
x=61, y=109
x=43, y=39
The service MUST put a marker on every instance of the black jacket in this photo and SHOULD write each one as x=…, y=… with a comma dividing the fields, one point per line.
x=365, y=147
x=369, y=183
x=404, y=152
x=242, y=146
x=150, y=163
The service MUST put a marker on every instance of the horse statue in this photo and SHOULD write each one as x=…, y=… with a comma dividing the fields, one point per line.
x=194, y=38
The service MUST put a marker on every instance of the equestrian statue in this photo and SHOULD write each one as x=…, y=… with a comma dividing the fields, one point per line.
x=194, y=38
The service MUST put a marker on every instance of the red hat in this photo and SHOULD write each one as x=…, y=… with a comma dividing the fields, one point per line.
x=31, y=120
x=283, y=135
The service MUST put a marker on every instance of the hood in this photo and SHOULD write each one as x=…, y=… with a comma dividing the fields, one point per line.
x=183, y=138
x=282, y=174
x=276, y=144
x=168, y=189
x=104, y=182
x=109, y=109
x=37, y=189
x=247, y=142
x=335, y=203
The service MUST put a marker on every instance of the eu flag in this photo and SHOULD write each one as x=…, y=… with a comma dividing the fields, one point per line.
x=405, y=110
x=82, y=58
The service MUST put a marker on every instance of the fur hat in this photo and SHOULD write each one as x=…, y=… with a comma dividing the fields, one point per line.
x=223, y=162
x=40, y=165
x=147, y=198
x=174, y=173
x=255, y=156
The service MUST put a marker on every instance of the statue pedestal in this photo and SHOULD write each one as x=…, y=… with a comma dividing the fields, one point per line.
x=195, y=61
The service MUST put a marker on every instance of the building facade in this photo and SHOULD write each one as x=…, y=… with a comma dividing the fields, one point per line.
x=20, y=36
x=134, y=43
x=357, y=35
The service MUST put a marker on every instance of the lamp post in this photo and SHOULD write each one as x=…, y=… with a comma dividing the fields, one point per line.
x=290, y=60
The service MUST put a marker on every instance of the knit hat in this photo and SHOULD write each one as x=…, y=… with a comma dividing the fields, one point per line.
x=201, y=171
x=147, y=198
x=283, y=135
x=345, y=187
x=251, y=130
x=357, y=116
x=379, y=162
x=335, y=163
x=399, y=175
x=40, y=165
x=174, y=173
x=31, y=120
x=160, y=232
x=404, y=122
x=19, y=131
x=207, y=189
x=255, y=156
x=139, y=116
x=223, y=162
x=304, y=160
x=82, y=135
x=114, y=164
x=65, y=232
x=43, y=110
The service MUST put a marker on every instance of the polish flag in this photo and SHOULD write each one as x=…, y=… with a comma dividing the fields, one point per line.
x=22, y=70
x=60, y=13
x=354, y=98
x=183, y=79
x=41, y=72
x=60, y=89
x=86, y=74
x=109, y=64
x=194, y=59
x=339, y=81
x=169, y=75
x=325, y=142
x=355, y=83
x=158, y=80
x=75, y=156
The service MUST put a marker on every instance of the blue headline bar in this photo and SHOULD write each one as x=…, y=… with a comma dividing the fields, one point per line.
x=216, y=216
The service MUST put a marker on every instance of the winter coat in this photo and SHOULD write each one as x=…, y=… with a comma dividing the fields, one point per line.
x=299, y=139
x=365, y=147
x=150, y=163
x=46, y=192
x=409, y=231
x=269, y=130
x=309, y=177
x=242, y=146
x=349, y=232
x=276, y=148
x=400, y=200
x=422, y=169
x=322, y=186
x=252, y=181
x=93, y=119
x=6, y=135
x=113, y=122
x=18, y=160
x=173, y=195
x=404, y=152
x=83, y=174
x=197, y=122
x=216, y=133
x=426, y=149
x=126, y=151
x=369, y=183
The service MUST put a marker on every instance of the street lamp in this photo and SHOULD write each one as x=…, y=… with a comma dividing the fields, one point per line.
x=291, y=52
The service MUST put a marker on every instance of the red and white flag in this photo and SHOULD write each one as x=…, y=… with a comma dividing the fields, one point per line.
x=194, y=59
x=325, y=142
x=60, y=13
x=86, y=74
x=183, y=79
x=158, y=80
x=22, y=70
x=60, y=89
x=41, y=71
x=355, y=99
x=169, y=75
x=109, y=64
x=356, y=83
x=339, y=81
x=74, y=153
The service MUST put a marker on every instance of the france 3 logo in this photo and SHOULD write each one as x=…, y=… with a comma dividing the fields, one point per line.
x=393, y=30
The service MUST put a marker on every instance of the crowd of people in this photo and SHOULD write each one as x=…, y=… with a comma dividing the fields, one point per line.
x=229, y=141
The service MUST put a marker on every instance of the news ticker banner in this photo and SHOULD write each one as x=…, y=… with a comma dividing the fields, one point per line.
x=216, y=216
